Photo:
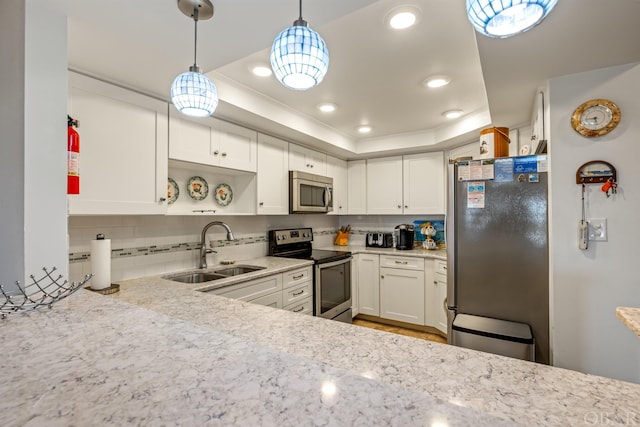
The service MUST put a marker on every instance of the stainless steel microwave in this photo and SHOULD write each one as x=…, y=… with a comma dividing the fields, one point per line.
x=309, y=193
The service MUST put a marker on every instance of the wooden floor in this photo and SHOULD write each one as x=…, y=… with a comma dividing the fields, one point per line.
x=400, y=330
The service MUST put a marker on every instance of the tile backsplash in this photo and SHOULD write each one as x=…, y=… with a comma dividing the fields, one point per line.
x=148, y=245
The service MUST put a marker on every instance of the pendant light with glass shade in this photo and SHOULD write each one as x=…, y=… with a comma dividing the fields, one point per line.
x=506, y=18
x=192, y=93
x=299, y=56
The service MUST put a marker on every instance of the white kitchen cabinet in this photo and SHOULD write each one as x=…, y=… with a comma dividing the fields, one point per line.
x=307, y=160
x=402, y=289
x=355, y=308
x=357, y=187
x=384, y=185
x=423, y=183
x=369, y=284
x=337, y=169
x=123, y=149
x=253, y=289
x=272, y=176
x=440, y=296
x=212, y=142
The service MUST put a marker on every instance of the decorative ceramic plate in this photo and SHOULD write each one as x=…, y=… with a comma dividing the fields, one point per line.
x=197, y=188
x=223, y=195
x=173, y=191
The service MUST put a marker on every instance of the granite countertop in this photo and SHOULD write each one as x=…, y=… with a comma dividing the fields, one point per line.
x=631, y=317
x=161, y=353
x=416, y=252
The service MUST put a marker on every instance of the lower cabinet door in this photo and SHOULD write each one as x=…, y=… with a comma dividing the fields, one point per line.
x=402, y=295
x=369, y=284
x=439, y=306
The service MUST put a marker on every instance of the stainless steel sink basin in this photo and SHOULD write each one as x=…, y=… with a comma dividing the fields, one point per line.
x=198, y=277
x=208, y=276
x=238, y=269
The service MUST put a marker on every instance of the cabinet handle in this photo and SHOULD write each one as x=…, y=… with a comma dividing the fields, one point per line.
x=406, y=207
x=402, y=262
x=435, y=282
x=163, y=199
x=295, y=294
x=261, y=203
x=224, y=154
x=298, y=310
x=298, y=277
x=215, y=153
x=444, y=268
x=399, y=206
x=382, y=277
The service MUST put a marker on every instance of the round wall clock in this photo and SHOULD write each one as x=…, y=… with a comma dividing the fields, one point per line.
x=596, y=117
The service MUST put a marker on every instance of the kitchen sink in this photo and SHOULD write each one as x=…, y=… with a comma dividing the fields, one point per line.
x=198, y=277
x=208, y=276
x=238, y=269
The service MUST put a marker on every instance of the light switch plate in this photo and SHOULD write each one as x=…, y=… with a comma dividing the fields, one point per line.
x=598, y=229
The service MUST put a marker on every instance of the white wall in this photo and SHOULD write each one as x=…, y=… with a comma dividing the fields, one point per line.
x=587, y=286
x=33, y=230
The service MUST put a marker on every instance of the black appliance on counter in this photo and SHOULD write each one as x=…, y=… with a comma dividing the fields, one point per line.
x=404, y=237
x=379, y=240
x=331, y=272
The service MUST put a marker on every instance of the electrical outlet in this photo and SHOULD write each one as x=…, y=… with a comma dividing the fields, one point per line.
x=598, y=229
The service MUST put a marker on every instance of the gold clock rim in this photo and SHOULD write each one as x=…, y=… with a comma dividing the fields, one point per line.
x=576, y=121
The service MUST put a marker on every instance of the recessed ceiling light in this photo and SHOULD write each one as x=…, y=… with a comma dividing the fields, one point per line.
x=261, y=71
x=403, y=17
x=453, y=114
x=364, y=129
x=327, y=107
x=437, y=81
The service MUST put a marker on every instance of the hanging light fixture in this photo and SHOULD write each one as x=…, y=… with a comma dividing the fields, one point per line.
x=506, y=18
x=192, y=93
x=299, y=56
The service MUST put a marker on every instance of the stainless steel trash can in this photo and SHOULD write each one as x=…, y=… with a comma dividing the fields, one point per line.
x=495, y=336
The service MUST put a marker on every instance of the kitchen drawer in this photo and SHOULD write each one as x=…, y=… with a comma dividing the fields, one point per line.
x=440, y=266
x=249, y=291
x=301, y=307
x=292, y=278
x=408, y=263
x=297, y=293
x=272, y=300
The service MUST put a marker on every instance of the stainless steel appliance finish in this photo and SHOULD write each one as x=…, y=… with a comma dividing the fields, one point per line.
x=309, y=193
x=405, y=234
x=497, y=255
x=379, y=240
x=331, y=273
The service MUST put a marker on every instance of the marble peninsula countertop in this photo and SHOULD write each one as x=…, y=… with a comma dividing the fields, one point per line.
x=630, y=316
x=162, y=353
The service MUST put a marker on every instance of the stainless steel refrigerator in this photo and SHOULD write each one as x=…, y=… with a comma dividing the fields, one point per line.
x=497, y=244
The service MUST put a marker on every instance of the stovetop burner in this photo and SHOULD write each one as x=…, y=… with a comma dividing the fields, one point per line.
x=296, y=243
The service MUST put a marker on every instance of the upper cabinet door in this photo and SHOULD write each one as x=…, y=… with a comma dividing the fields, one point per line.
x=384, y=185
x=424, y=183
x=357, y=186
x=273, y=176
x=307, y=160
x=236, y=146
x=212, y=142
x=337, y=169
x=123, y=149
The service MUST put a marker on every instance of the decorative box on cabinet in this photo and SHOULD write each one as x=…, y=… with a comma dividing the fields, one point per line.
x=123, y=155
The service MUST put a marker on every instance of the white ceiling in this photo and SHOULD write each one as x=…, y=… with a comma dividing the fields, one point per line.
x=375, y=74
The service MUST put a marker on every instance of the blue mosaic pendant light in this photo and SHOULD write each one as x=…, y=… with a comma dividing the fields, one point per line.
x=299, y=56
x=506, y=18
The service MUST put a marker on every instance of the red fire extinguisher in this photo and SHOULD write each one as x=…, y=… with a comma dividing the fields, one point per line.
x=73, y=157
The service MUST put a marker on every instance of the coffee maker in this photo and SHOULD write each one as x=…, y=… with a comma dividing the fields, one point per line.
x=404, y=236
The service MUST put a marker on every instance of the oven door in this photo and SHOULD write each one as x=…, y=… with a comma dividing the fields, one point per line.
x=332, y=288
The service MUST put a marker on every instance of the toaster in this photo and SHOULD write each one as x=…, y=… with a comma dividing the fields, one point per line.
x=379, y=240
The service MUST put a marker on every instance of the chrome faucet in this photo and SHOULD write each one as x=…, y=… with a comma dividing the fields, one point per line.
x=203, y=242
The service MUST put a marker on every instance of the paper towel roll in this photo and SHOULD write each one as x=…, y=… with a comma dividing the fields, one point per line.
x=101, y=262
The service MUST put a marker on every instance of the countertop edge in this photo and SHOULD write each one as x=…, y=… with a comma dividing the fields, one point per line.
x=630, y=317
